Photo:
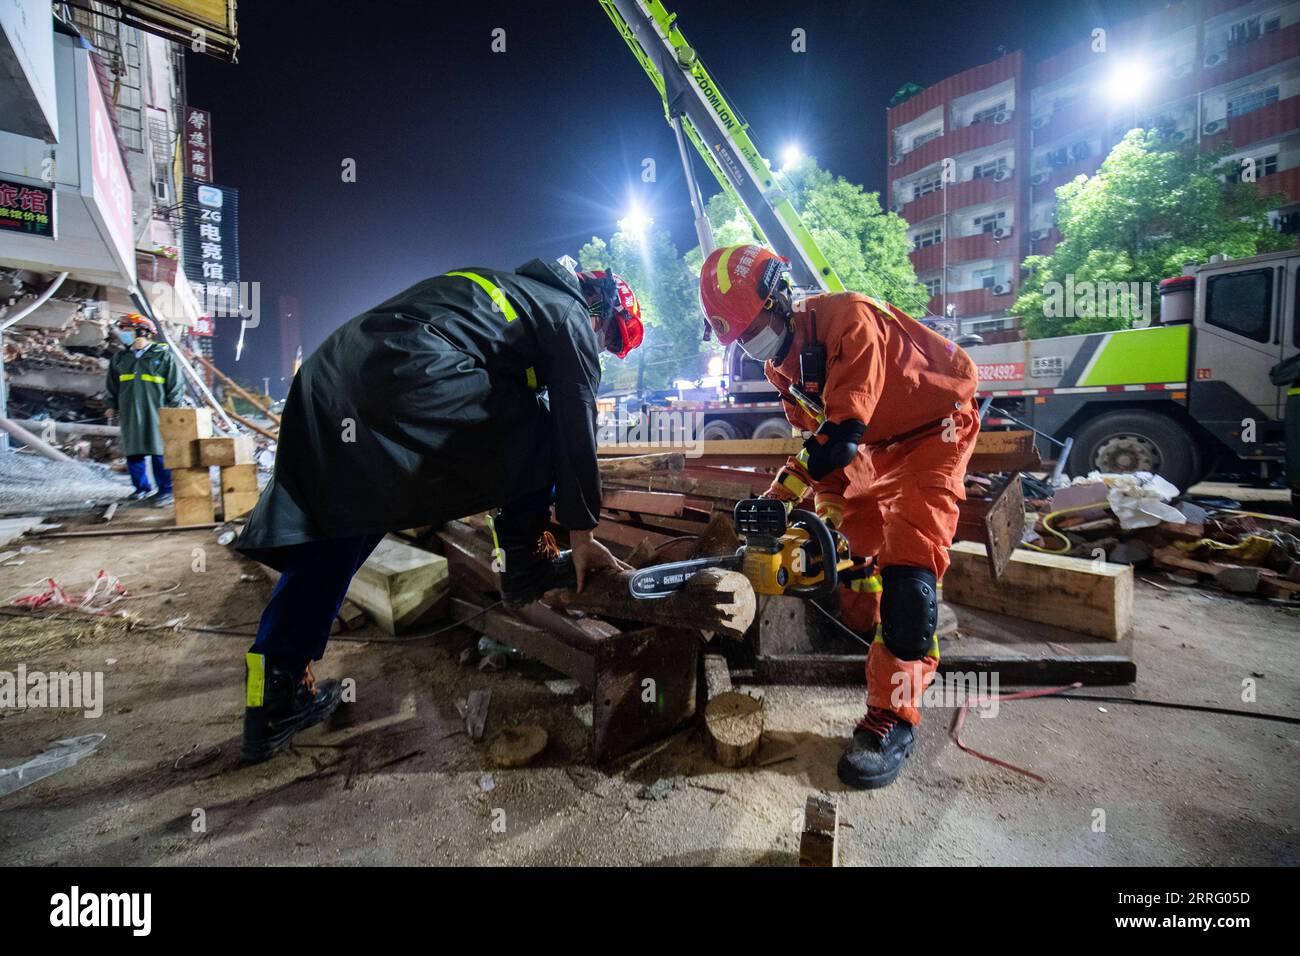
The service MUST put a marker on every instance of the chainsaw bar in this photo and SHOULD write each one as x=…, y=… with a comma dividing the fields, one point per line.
x=663, y=579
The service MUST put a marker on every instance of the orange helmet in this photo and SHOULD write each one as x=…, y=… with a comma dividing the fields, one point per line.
x=736, y=284
x=138, y=323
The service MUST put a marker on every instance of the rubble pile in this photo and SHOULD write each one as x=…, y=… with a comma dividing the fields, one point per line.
x=1141, y=520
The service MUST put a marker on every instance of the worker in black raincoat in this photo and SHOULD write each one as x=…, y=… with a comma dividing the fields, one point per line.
x=469, y=391
x=142, y=378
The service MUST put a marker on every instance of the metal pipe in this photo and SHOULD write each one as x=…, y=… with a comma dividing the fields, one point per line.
x=41, y=299
x=34, y=443
x=69, y=428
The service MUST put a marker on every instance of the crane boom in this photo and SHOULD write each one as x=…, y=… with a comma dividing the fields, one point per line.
x=695, y=107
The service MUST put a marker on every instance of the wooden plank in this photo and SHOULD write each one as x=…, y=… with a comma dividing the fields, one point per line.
x=224, y=452
x=1100, y=670
x=645, y=502
x=532, y=640
x=237, y=478
x=398, y=583
x=819, y=843
x=193, y=510
x=181, y=452
x=1083, y=595
x=612, y=531
x=185, y=423
x=237, y=503
x=192, y=483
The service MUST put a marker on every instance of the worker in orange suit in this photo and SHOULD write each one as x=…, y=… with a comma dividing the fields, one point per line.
x=888, y=405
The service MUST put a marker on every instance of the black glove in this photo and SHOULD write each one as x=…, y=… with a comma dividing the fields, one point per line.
x=839, y=448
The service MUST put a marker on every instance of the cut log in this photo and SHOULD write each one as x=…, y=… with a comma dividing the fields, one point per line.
x=398, y=584
x=719, y=538
x=516, y=746
x=819, y=843
x=735, y=725
x=638, y=466
x=1079, y=594
x=712, y=600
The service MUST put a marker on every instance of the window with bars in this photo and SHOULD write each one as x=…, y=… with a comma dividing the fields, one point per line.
x=990, y=221
x=1247, y=102
x=926, y=186
x=990, y=169
x=932, y=286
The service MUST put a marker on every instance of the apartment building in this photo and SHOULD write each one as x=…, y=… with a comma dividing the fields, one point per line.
x=975, y=160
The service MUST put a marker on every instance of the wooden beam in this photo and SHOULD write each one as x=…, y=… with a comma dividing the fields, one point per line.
x=1080, y=594
x=398, y=584
x=819, y=843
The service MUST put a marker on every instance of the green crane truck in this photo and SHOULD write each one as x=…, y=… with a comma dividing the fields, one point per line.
x=1179, y=398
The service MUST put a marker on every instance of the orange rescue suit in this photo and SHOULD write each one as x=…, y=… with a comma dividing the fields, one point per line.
x=915, y=391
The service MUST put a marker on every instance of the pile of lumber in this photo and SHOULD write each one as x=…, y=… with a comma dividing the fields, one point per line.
x=191, y=451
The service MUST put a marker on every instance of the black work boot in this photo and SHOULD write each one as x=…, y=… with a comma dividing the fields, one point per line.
x=881, y=742
x=278, y=704
x=533, y=565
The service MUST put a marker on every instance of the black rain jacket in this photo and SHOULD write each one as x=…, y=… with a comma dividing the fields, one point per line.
x=461, y=394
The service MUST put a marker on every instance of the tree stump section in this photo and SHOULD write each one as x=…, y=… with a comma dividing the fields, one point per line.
x=517, y=746
x=735, y=725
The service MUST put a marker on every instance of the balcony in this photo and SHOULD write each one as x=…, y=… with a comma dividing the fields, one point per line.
x=966, y=249
x=954, y=142
x=973, y=302
x=960, y=195
x=1252, y=57
x=1263, y=123
x=1286, y=182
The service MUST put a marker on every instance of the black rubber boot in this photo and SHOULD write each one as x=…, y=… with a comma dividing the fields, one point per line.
x=533, y=565
x=881, y=742
x=288, y=703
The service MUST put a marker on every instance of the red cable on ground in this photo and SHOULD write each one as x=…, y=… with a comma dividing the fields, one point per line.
x=959, y=720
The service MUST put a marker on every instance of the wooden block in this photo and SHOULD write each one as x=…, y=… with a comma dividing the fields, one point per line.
x=237, y=478
x=398, y=583
x=226, y=452
x=734, y=721
x=180, y=452
x=644, y=502
x=192, y=483
x=185, y=423
x=237, y=503
x=717, y=675
x=194, y=511
x=819, y=844
x=1079, y=594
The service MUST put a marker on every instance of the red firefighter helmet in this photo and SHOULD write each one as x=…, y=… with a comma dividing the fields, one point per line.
x=736, y=284
x=138, y=323
x=616, y=301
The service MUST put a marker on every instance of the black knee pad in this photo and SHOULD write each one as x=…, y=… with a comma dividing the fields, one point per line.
x=909, y=611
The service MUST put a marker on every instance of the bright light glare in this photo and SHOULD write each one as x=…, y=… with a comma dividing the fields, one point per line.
x=716, y=364
x=636, y=222
x=791, y=156
x=1128, y=81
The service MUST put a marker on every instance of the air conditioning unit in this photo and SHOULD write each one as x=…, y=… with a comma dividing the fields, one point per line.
x=1039, y=122
x=1002, y=288
x=1038, y=179
x=1180, y=71
x=160, y=190
x=895, y=159
x=1058, y=157
x=1001, y=117
x=1002, y=232
x=1212, y=127
x=1038, y=235
x=1179, y=136
x=1079, y=150
x=1003, y=174
x=1214, y=59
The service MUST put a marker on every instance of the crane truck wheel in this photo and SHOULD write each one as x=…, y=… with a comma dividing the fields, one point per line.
x=773, y=428
x=1127, y=441
x=719, y=430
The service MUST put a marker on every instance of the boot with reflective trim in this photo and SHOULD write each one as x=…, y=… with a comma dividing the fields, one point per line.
x=278, y=704
x=881, y=742
x=533, y=566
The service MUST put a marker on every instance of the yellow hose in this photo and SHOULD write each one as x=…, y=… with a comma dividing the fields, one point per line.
x=1047, y=526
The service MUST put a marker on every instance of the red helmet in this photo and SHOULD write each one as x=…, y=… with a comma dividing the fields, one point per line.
x=609, y=296
x=736, y=284
x=137, y=322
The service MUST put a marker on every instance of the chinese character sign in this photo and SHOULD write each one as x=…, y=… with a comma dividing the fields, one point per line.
x=210, y=240
x=198, y=144
x=26, y=209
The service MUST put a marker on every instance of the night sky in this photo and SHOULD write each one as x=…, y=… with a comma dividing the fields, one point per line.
x=469, y=157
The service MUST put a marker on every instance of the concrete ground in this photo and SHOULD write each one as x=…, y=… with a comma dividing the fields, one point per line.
x=395, y=779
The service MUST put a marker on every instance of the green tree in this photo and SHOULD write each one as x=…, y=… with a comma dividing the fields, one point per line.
x=667, y=290
x=1147, y=213
x=867, y=247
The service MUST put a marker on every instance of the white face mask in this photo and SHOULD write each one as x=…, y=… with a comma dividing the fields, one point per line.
x=765, y=344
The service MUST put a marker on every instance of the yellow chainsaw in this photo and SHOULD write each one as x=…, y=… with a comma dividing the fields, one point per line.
x=791, y=552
